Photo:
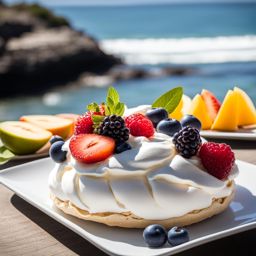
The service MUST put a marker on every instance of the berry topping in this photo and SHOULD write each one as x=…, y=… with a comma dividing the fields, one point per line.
x=84, y=124
x=155, y=115
x=91, y=148
x=139, y=125
x=217, y=158
x=56, y=153
x=168, y=126
x=134, y=117
x=122, y=147
x=177, y=236
x=189, y=120
x=114, y=126
x=187, y=141
x=155, y=235
x=55, y=138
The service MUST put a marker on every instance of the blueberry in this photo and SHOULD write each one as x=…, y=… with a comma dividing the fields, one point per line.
x=177, y=236
x=122, y=147
x=189, y=120
x=168, y=126
x=55, y=138
x=156, y=115
x=56, y=153
x=155, y=235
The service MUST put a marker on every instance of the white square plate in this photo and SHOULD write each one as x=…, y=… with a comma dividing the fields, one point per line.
x=241, y=134
x=29, y=181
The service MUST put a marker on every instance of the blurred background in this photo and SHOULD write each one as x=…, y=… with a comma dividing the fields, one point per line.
x=59, y=55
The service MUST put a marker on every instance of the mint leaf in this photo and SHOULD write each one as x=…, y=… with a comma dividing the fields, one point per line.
x=107, y=110
x=113, y=105
x=169, y=100
x=93, y=107
x=119, y=109
x=113, y=94
x=5, y=155
x=97, y=118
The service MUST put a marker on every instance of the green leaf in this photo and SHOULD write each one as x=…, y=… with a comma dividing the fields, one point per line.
x=119, y=109
x=5, y=155
x=107, y=110
x=94, y=107
x=111, y=105
x=113, y=94
x=97, y=118
x=169, y=100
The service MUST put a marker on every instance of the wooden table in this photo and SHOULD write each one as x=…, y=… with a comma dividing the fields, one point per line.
x=24, y=230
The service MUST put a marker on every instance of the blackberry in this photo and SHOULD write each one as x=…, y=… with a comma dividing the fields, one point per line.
x=114, y=126
x=187, y=141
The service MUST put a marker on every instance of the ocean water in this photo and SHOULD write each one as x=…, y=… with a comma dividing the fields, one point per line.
x=217, y=40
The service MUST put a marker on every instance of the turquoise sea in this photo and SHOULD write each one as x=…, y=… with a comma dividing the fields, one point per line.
x=219, y=40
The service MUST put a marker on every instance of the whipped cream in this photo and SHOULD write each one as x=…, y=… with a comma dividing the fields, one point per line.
x=150, y=181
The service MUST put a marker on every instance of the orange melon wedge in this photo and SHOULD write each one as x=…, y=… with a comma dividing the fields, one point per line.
x=247, y=112
x=227, y=117
x=182, y=109
x=198, y=109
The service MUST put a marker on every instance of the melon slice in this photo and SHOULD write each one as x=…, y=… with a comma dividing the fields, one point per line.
x=247, y=112
x=198, y=109
x=56, y=125
x=23, y=138
x=182, y=109
x=72, y=117
x=212, y=103
x=227, y=118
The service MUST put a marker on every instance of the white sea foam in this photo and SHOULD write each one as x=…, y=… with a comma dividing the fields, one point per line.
x=184, y=50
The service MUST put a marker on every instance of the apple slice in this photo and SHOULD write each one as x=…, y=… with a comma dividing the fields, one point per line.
x=56, y=125
x=212, y=103
x=23, y=138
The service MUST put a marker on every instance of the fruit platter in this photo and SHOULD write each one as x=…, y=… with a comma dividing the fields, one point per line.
x=234, y=118
x=30, y=137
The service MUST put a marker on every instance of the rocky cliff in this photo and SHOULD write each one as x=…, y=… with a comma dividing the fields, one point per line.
x=39, y=50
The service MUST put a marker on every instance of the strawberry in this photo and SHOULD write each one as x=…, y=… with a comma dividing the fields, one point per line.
x=212, y=103
x=91, y=148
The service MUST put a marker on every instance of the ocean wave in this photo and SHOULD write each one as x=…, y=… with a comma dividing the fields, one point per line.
x=184, y=50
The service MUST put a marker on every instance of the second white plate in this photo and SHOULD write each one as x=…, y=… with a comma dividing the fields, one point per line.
x=238, y=135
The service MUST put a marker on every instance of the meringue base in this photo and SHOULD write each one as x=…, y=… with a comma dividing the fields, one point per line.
x=129, y=220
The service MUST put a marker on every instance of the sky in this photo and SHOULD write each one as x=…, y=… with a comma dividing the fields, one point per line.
x=121, y=2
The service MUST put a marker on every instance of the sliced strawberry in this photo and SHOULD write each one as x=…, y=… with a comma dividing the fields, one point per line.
x=212, y=103
x=91, y=148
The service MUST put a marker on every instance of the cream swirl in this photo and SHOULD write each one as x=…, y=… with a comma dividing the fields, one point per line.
x=149, y=180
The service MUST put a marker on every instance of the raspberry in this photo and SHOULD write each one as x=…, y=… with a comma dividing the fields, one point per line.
x=139, y=125
x=134, y=117
x=84, y=124
x=217, y=158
